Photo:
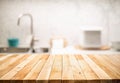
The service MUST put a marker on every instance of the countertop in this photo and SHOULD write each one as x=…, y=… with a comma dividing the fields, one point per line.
x=46, y=68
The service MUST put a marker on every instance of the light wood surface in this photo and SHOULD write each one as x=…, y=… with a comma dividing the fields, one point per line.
x=46, y=68
x=92, y=48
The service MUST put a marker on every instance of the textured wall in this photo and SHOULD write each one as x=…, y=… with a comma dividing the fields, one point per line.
x=59, y=17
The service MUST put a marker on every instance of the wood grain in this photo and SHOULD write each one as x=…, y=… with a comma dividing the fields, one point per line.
x=46, y=68
x=87, y=70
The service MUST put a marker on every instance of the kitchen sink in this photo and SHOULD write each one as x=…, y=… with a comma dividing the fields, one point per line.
x=23, y=47
x=14, y=50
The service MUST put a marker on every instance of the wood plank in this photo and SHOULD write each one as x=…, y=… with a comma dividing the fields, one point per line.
x=45, y=68
x=100, y=73
x=45, y=72
x=14, y=61
x=7, y=60
x=67, y=73
x=77, y=71
x=78, y=74
x=5, y=57
x=2, y=55
x=105, y=66
x=116, y=57
x=11, y=73
x=37, y=69
x=113, y=60
x=27, y=68
x=88, y=72
x=5, y=81
x=66, y=60
x=56, y=73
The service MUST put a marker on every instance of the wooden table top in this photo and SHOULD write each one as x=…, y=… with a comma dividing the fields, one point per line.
x=44, y=68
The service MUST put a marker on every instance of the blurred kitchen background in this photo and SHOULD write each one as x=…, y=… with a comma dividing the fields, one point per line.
x=68, y=19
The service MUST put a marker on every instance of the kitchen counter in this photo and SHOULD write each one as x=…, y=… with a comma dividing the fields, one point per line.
x=44, y=68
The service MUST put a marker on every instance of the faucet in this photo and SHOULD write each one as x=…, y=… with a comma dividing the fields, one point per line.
x=31, y=27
